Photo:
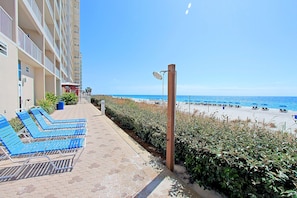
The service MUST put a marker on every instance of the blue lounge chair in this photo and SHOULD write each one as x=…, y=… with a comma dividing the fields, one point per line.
x=53, y=121
x=36, y=113
x=35, y=133
x=19, y=152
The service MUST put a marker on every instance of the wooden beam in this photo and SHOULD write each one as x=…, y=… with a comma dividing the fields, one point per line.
x=171, y=117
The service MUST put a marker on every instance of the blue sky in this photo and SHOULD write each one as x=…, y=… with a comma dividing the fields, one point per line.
x=220, y=47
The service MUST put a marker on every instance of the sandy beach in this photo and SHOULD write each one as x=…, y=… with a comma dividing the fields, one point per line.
x=273, y=119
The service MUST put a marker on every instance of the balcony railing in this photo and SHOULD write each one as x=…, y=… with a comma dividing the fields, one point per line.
x=57, y=28
x=57, y=50
x=48, y=34
x=5, y=23
x=58, y=5
x=35, y=9
x=57, y=72
x=50, y=8
x=63, y=69
x=49, y=64
x=29, y=46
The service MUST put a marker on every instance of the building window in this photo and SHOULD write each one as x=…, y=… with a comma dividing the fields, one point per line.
x=3, y=48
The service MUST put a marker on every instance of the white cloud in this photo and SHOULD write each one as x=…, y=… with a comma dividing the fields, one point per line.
x=189, y=5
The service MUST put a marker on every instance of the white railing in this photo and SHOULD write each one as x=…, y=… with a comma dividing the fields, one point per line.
x=29, y=46
x=48, y=34
x=49, y=64
x=63, y=69
x=57, y=72
x=5, y=23
x=48, y=3
x=57, y=49
x=58, y=6
x=57, y=28
x=35, y=9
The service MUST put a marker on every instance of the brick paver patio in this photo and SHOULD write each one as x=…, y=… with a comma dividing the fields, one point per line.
x=112, y=165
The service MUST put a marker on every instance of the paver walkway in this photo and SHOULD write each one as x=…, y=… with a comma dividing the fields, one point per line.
x=112, y=165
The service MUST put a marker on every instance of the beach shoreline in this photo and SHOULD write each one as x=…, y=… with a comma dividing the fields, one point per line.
x=272, y=119
x=269, y=102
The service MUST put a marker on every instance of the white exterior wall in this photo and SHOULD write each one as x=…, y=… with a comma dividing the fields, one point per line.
x=40, y=37
x=28, y=86
x=8, y=79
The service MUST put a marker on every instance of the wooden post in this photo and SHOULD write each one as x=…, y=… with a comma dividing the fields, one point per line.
x=171, y=117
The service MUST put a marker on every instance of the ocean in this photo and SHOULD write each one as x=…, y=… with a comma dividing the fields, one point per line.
x=274, y=102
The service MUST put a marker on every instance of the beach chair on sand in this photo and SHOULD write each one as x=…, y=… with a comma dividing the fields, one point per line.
x=53, y=121
x=37, y=115
x=18, y=152
x=34, y=132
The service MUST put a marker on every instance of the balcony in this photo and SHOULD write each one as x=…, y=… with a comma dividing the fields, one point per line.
x=29, y=46
x=49, y=64
x=63, y=69
x=5, y=23
x=50, y=8
x=57, y=50
x=48, y=34
x=57, y=28
x=57, y=5
x=35, y=10
x=57, y=72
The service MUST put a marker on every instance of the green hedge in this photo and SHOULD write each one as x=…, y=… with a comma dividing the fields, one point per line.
x=236, y=159
x=47, y=105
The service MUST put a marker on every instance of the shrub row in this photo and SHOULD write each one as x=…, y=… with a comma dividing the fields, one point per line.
x=51, y=100
x=235, y=159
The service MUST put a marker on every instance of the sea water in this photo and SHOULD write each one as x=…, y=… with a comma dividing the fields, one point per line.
x=274, y=102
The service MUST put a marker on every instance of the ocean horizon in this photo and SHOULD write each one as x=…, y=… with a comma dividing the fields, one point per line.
x=271, y=102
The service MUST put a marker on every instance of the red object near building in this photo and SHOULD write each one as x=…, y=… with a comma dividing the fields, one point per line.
x=71, y=87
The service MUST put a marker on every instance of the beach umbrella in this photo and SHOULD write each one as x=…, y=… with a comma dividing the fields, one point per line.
x=283, y=108
x=264, y=106
x=255, y=105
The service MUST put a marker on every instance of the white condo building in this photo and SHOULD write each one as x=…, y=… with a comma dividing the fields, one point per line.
x=39, y=50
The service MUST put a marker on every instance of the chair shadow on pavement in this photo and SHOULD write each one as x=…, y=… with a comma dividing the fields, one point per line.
x=33, y=170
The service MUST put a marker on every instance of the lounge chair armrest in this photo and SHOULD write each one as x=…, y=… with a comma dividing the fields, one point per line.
x=24, y=133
